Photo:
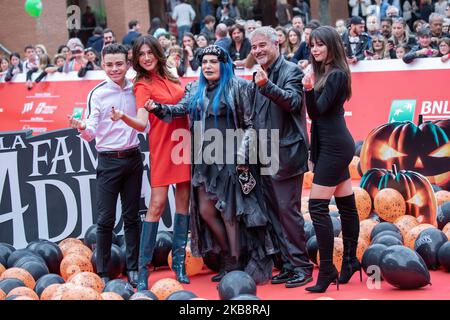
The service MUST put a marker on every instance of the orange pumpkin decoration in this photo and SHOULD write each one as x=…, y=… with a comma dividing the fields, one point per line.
x=165, y=287
x=81, y=293
x=72, y=264
x=442, y=197
x=338, y=253
x=308, y=180
x=416, y=190
x=23, y=291
x=49, y=292
x=21, y=274
x=363, y=203
x=389, y=204
x=366, y=227
x=422, y=148
x=446, y=230
x=193, y=265
x=406, y=223
x=88, y=280
x=353, y=168
x=412, y=235
x=111, y=296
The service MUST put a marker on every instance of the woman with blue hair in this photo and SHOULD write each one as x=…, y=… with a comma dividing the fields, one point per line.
x=227, y=213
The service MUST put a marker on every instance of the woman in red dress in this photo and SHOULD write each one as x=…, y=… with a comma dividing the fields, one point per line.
x=155, y=82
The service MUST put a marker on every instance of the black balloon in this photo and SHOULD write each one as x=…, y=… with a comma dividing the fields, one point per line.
x=181, y=295
x=121, y=287
x=5, y=252
x=36, y=269
x=22, y=260
x=18, y=254
x=443, y=215
x=116, y=264
x=444, y=256
x=372, y=257
x=51, y=254
x=7, y=285
x=427, y=245
x=90, y=237
x=144, y=294
x=47, y=280
x=245, y=297
x=383, y=226
x=388, y=241
x=404, y=268
x=390, y=233
x=163, y=247
x=236, y=283
x=336, y=226
x=118, y=240
x=309, y=230
x=312, y=247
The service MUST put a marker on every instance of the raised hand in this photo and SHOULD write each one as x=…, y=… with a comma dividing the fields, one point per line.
x=75, y=123
x=115, y=115
x=149, y=105
x=261, y=77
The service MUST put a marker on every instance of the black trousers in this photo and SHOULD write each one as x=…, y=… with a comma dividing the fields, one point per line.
x=118, y=176
x=283, y=200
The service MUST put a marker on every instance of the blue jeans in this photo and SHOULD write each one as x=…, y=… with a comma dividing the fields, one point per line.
x=181, y=31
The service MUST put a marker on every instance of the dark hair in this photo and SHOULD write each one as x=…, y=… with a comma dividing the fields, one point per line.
x=29, y=47
x=387, y=19
x=158, y=52
x=336, y=53
x=236, y=26
x=209, y=19
x=115, y=48
x=14, y=54
x=108, y=30
x=61, y=47
x=132, y=24
x=98, y=31
x=313, y=24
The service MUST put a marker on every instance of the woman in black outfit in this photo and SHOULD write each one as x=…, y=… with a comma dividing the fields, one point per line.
x=332, y=149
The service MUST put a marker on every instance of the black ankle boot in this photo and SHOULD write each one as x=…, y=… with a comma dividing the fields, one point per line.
x=328, y=274
x=228, y=264
x=350, y=234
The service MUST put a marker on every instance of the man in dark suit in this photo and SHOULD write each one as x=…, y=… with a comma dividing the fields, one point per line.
x=278, y=108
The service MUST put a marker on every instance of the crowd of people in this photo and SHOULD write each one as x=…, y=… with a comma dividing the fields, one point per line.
x=376, y=30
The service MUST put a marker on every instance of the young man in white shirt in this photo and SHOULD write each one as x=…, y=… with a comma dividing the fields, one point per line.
x=120, y=167
x=184, y=15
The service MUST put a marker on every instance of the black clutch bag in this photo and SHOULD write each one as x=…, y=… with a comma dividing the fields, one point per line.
x=247, y=181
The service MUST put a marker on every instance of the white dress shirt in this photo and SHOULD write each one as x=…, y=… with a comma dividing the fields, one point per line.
x=110, y=135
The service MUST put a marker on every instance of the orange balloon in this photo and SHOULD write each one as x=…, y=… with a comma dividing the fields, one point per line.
x=363, y=244
x=305, y=205
x=165, y=287
x=69, y=242
x=353, y=168
x=88, y=280
x=2, y=269
x=48, y=292
x=193, y=265
x=23, y=298
x=2, y=295
x=446, y=230
x=63, y=288
x=77, y=249
x=21, y=274
x=389, y=204
x=338, y=253
x=366, y=227
x=111, y=296
x=308, y=179
x=363, y=203
x=72, y=264
x=333, y=207
x=23, y=291
x=442, y=196
x=406, y=223
x=307, y=217
x=81, y=293
x=412, y=235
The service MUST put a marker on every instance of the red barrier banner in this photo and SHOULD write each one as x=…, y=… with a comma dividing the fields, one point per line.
x=383, y=91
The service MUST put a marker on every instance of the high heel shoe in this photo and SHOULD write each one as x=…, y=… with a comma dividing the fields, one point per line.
x=324, y=280
x=349, y=268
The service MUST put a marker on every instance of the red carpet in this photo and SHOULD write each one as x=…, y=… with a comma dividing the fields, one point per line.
x=204, y=288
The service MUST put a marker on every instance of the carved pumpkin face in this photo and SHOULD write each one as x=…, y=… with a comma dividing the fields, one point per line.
x=414, y=187
x=424, y=149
